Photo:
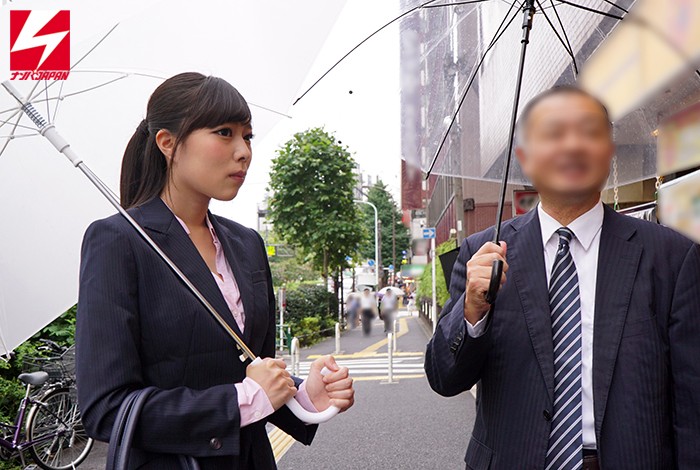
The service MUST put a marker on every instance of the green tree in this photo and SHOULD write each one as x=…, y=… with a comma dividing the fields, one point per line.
x=286, y=271
x=425, y=281
x=312, y=205
x=389, y=215
x=289, y=267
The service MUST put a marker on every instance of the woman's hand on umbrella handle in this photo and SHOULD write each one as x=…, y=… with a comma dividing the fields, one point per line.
x=294, y=406
x=310, y=417
x=274, y=379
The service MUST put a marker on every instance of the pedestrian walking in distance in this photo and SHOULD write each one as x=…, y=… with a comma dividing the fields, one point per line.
x=352, y=306
x=368, y=306
x=389, y=302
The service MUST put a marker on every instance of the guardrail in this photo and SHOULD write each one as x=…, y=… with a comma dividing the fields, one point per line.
x=425, y=310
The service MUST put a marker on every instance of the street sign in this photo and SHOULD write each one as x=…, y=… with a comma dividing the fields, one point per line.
x=428, y=232
x=271, y=250
x=370, y=262
x=524, y=201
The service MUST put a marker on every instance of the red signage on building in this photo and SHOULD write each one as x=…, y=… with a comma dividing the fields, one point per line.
x=524, y=201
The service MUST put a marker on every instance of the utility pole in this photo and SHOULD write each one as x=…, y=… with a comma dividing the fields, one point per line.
x=393, y=243
x=377, y=239
x=459, y=207
x=380, y=269
x=434, y=287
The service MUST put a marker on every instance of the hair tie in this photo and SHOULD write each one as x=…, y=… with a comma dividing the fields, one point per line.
x=143, y=127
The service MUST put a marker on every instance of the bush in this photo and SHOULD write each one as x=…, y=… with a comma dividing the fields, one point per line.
x=62, y=329
x=11, y=392
x=11, y=465
x=425, y=281
x=311, y=313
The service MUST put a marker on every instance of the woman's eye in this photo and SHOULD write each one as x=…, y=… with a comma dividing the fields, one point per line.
x=249, y=137
x=226, y=132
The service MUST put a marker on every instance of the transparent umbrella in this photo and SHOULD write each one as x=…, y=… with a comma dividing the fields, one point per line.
x=253, y=19
x=394, y=290
x=466, y=66
x=98, y=107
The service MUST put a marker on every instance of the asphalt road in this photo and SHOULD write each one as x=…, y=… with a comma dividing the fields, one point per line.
x=400, y=426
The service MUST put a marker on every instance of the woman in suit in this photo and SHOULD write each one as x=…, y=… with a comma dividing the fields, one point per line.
x=139, y=326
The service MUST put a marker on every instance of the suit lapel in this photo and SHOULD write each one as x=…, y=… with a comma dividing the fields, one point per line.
x=161, y=225
x=233, y=247
x=618, y=261
x=526, y=260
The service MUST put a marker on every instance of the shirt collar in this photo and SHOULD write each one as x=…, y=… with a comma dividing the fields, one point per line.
x=187, y=230
x=585, y=227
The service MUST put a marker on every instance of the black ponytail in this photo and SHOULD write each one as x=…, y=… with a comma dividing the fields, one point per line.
x=144, y=168
x=181, y=104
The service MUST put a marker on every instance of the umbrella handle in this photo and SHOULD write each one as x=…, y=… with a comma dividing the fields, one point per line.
x=300, y=412
x=495, y=284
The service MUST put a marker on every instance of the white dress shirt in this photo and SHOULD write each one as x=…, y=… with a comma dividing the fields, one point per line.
x=584, y=249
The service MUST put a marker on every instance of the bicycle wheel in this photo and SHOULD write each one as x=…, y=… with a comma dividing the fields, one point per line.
x=54, y=421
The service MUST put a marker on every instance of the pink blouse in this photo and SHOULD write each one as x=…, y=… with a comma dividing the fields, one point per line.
x=253, y=403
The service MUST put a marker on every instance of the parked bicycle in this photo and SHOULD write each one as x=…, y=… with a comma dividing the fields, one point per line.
x=57, y=361
x=48, y=422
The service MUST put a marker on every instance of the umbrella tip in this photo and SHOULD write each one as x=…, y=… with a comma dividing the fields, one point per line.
x=350, y=92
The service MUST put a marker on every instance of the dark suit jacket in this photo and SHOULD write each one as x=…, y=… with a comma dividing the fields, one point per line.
x=646, y=350
x=138, y=325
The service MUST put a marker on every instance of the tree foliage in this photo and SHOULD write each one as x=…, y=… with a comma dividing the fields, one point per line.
x=312, y=205
x=291, y=271
x=386, y=206
x=425, y=281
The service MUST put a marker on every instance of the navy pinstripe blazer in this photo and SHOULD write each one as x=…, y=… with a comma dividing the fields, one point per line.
x=138, y=325
x=646, y=350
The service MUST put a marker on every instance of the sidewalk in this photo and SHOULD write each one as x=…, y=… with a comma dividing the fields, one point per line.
x=399, y=426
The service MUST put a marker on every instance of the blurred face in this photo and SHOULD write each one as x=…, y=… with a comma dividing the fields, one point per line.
x=211, y=162
x=567, y=147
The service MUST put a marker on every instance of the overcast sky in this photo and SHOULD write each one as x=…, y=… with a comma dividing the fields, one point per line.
x=367, y=120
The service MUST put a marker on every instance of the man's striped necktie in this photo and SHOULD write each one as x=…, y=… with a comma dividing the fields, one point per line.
x=566, y=435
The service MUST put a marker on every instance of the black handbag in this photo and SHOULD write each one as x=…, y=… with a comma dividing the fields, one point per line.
x=123, y=433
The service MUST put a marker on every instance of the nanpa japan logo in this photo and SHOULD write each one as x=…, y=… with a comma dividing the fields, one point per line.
x=39, y=44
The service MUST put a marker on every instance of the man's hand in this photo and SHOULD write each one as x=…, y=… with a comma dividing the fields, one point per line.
x=333, y=389
x=479, y=278
x=274, y=379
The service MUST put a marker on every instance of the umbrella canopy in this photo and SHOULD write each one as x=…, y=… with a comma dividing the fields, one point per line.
x=459, y=70
x=394, y=290
x=103, y=100
x=466, y=67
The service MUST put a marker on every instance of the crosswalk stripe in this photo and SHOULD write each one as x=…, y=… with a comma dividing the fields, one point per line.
x=378, y=366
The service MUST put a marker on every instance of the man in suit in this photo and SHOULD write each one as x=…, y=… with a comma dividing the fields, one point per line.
x=590, y=356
